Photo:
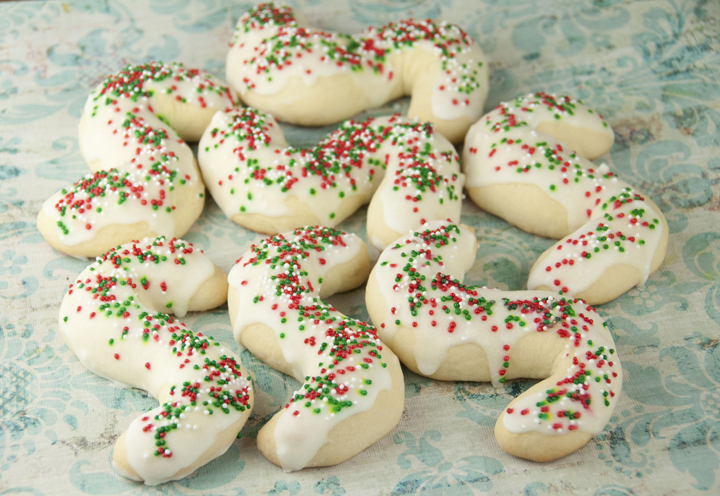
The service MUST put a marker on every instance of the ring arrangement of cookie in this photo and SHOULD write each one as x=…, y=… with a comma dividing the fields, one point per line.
x=526, y=161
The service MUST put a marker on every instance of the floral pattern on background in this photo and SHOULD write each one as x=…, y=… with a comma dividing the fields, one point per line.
x=650, y=67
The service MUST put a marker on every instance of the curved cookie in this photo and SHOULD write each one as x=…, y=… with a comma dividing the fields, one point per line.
x=353, y=390
x=520, y=166
x=312, y=77
x=111, y=318
x=145, y=181
x=410, y=171
x=446, y=330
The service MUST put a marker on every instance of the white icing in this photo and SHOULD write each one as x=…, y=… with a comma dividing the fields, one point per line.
x=583, y=272
x=130, y=212
x=439, y=201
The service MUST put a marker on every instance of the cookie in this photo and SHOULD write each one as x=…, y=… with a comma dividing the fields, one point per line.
x=353, y=390
x=311, y=77
x=447, y=330
x=520, y=165
x=407, y=170
x=145, y=181
x=114, y=317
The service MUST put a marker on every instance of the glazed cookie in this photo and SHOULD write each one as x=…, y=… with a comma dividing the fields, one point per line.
x=145, y=180
x=112, y=319
x=353, y=389
x=520, y=166
x=312, y=77
x=444, y=329
x=263, y=184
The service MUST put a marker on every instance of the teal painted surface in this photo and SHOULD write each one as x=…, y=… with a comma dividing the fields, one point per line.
x=651, y=67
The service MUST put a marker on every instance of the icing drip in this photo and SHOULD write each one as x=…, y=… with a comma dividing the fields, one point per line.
x=339, y=359
x=610, y=222
x=420, y=279
x=140, y=161
x=269, y=47
x=250, y=169
x=110, y=318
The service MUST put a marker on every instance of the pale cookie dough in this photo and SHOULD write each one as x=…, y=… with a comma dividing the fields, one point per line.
x=411, y=172
x=145, y=180
x=520, y=165
x=311, y=77
x=446, y=330
x=113, y=319
x=353, y=389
